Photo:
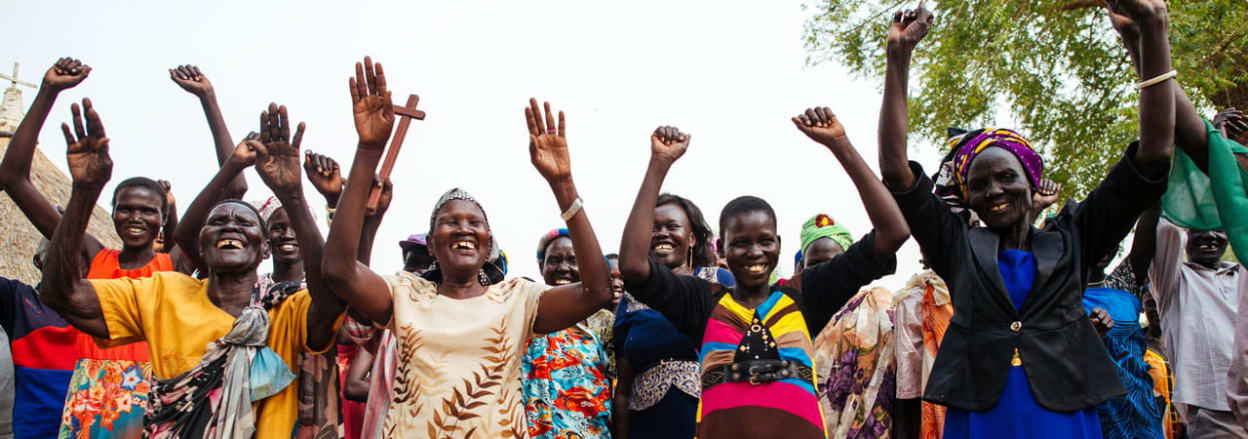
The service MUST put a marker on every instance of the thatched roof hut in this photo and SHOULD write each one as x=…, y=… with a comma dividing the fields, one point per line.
x=18, y=238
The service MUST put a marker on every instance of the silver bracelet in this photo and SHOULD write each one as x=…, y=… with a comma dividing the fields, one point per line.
x=572, y=210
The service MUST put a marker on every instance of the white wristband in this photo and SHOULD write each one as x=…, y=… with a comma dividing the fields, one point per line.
x=572, y=210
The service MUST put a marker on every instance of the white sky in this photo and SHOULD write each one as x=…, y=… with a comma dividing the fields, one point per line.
x=731, y=75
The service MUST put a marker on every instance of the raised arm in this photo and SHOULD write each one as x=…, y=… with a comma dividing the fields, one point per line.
x=667, y=144
x=1144, y=245
x=821, y=125
x=171, y=218
x=187, y=234
x=63, y=287
x=351, y=280
x=1157, y=103
x=908, y=28
x=1190, y=134
x=563, y=306
x=325, y=176
x=191, y=79
x=277, y=162
x=15, y=168
x=372, y=221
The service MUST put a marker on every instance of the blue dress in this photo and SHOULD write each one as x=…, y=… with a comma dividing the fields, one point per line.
x=667, y=384
x=1017, y=414
x=1137, y=414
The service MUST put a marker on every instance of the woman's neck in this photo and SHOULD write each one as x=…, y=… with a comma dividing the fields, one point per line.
x=1015, y=237
x=683, y=269
x=460, y=287
x=288, y=271
x=751, y=297
x=131, y=258
x=231, y=291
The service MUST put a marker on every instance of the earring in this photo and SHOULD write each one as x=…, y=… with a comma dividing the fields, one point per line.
x=483, y=278
x=690, y=260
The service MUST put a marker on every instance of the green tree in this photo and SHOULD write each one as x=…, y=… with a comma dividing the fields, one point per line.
x=1056, y=66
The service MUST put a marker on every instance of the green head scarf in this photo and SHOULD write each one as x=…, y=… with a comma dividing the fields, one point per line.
x=823, y=226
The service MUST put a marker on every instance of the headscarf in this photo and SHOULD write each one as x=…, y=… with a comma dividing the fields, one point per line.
x=495, y=267
x=969, y=145
x=823, y=226
x=545, y=241
x=267, y=207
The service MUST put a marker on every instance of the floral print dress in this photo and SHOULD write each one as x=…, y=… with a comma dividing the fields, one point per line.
x=567, y=381
x=855, y=358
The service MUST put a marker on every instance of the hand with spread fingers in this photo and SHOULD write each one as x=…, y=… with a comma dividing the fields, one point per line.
x=65, y=74
x=548, y=142
x=668, y=144
x=324, y=174
x=277, y=161
x=821, y=125
x=89, y=163
x=370, y=101
x=908, y=28
x=191, y=79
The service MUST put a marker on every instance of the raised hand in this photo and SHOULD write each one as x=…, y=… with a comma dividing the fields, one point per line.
x=1045, y=195
x=370, y=102
x=821, y=125
x=1232, y=123
x=383, y=202
x=548, y=143
x=244, y=154
x=908, y=28
x=65, y=74
x=1139, y=10
x=277, y=161
x=191, y=79
x=668, y=144
x=1124, y=25
x=170, y=203
x=325, y=176
x=89, y=163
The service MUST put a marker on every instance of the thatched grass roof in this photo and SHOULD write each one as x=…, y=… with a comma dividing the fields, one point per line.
x=19, y=239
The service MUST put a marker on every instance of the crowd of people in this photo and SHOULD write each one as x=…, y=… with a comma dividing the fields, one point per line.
x=1015, y=328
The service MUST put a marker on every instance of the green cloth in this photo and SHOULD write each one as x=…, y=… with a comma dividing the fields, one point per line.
x=1216, y=201
x=823, y=226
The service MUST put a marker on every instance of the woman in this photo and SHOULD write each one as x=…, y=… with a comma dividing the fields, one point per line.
x=1017, y=289
x=568, y=373
x=460, y=337
x=657, y=392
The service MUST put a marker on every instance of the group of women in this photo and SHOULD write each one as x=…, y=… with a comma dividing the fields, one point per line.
x=683, y=333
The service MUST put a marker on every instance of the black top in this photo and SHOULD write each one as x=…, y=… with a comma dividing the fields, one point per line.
x=687, y=301
x=1064, y=359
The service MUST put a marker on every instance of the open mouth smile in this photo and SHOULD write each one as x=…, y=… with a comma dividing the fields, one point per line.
x=756, y=268
x=999, y=207
x=229, y=244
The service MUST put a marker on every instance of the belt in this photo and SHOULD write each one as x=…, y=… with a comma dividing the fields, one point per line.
x=756, y=372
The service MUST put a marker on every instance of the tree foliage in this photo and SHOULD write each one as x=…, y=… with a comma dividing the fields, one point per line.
x=1057, y=67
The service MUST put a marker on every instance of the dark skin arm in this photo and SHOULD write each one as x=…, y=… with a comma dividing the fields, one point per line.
x=356, y=387
x=325, y=176
x=623, y=391
x=1101, y=320
x=907, y=30
x=667, y=145
x=1144, y=245
x=191, y=79
x=372, y=221
x=1234, y=126
x=351, y=280
x=187, y=234
x=63, y=288
x=1157, y=102
x=171, y=217
x=891, y=231
x=277, y=162
x=563, y=306
x=15, y=168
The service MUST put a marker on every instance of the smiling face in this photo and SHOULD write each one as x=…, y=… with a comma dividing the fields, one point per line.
x=137, y=216
x=751, y=247
x=559, y=265
x=999, y=191
x=617, y=280
x=232, y=239
x=1206, y=247
x=671, y=236
x=460, y=239
x=282, y=238
x=821, y=250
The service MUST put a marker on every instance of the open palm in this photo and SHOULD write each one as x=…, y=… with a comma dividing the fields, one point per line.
x=370, y=104
x=278, y=161
x=548, y=143
x=87, y=152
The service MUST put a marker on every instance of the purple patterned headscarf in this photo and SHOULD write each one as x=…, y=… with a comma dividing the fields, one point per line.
x=969, y=145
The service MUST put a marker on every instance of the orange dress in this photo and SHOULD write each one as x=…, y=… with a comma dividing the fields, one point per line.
x=109, y=389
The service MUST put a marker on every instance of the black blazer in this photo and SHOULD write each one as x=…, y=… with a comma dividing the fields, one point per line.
x=1063, y=356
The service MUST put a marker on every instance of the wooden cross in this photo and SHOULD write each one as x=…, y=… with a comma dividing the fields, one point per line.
x=14, y=79
x=405, y=113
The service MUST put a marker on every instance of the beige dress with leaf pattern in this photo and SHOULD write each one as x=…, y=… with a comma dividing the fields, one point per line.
x=458, y=366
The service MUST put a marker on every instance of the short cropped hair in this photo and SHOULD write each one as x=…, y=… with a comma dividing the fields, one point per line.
x=744, y=204
x=145, y=183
